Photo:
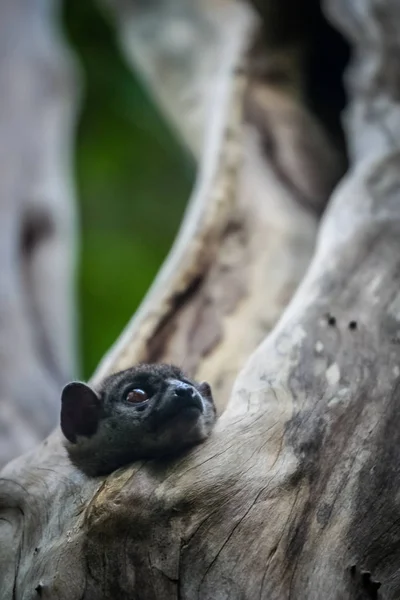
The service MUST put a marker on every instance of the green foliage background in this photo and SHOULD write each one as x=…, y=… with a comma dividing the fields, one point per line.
x=133, y=180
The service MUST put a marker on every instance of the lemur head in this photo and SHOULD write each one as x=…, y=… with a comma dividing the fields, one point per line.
x=147, y=411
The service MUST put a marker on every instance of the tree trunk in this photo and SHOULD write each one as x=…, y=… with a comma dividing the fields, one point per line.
x=36, y=225
x=295, y=493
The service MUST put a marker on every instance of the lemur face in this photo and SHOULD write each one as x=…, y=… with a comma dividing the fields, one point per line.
x=143, y=412
x=160, y=397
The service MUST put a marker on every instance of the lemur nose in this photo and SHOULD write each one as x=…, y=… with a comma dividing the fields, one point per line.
x=183, y=390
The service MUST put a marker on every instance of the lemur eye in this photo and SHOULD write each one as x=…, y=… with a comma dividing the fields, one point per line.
x=137, y=395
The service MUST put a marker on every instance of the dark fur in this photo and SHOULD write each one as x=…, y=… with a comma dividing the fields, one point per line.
x=104, y=431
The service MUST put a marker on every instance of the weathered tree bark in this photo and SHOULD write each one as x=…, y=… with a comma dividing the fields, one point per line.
x=295, y=493
x=36, y=225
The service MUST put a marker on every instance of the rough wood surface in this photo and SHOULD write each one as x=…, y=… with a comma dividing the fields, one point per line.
x=36, y=225
x=295, y=495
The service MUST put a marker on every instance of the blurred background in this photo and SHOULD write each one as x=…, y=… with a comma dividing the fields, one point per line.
x=133, y=179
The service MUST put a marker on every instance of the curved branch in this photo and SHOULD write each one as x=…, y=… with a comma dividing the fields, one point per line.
x=237, y=247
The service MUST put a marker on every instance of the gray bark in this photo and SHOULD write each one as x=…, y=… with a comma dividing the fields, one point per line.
x=295, y=495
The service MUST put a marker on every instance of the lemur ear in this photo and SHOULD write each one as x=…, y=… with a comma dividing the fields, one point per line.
x=205, y=390
x=80, y=410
